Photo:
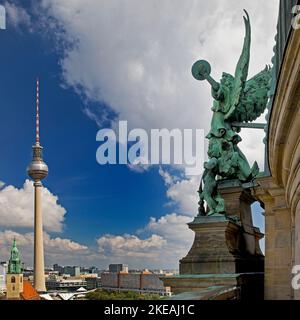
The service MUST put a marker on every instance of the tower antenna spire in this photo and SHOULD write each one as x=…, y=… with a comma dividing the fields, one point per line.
x=37, y=133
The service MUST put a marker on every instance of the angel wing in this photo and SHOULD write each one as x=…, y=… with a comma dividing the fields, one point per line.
x=254, y=98
x=241, y=71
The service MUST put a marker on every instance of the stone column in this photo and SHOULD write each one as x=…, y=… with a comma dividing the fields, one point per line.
x=39, y=269
x=238, y=200
x=296, y=246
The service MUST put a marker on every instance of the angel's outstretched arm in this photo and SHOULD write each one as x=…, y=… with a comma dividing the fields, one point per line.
x=214, y=84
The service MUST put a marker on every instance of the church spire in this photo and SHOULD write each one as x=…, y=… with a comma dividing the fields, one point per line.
x=14, y=265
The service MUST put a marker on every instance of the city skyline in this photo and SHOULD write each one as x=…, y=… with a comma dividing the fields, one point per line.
x=105, y=214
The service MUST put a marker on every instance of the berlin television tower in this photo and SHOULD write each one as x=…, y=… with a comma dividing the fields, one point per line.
x=38, y=170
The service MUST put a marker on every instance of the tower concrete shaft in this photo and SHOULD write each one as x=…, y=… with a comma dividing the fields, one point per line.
x=39, y=267
x=38, y=170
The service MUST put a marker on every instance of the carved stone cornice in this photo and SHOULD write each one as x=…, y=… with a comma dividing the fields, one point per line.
x=284, y=129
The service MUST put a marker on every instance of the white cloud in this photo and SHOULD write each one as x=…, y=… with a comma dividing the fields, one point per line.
x=172, y=227
x=63, y=245
x=130, y=246
x=167, y=177
x=16, y=208
x=138, y=168
x=170, y=238
x=182, y=192
x=17, y=16
x=253, y=146
x=56, y=249
x=26, y=239
x=136, y=56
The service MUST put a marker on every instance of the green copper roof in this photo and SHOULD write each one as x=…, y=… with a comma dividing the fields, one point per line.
x=14, y=265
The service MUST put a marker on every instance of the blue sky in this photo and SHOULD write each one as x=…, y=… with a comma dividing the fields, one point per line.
x=93, y=196
x=113, y=214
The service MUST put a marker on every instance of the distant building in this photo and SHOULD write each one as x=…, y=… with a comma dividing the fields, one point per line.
x=84, y=270
x=94, y=270
x=158, y=271
x=88, y=275
x=73, y=271
x=50, y=273
x=58, y=268
x=3, y=267
x=93, y=283
x=144, y=282
x=65, y=284
x=118, y=268
x=28, y=272
x=135, y=271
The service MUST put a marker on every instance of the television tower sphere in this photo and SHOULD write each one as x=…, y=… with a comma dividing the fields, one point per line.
x=37, y=169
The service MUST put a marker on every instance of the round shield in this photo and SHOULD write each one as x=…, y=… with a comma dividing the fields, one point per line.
x=200, y=69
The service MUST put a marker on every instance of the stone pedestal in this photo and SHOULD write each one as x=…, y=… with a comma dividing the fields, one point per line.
x=220, y=247
x=216, y=241
x=225, y=247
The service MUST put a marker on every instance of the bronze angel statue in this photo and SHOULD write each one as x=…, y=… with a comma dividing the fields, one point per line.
x=236, y=100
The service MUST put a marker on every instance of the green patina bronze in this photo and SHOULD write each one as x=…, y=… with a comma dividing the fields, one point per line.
x=236, y=101
x=14, y=265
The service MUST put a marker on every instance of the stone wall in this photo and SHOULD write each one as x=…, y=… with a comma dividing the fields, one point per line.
x=109, y=280
x=132, y=281
x=280, y=193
